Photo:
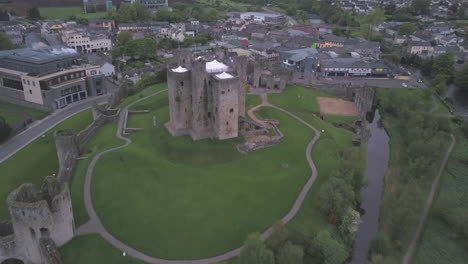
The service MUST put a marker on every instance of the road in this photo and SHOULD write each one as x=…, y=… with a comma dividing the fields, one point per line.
x=94, y=225
x=38, y=128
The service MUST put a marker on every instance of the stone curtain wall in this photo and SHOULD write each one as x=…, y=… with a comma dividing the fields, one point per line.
x=70, y=144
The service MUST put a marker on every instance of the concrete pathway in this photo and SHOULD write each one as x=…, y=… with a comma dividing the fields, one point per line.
x=94, y=225
x=38, y=128
x=427, y=205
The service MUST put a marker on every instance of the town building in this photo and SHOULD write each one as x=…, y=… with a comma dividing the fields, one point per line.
x=48, y=78
x=259, y=17
x=155, y=4
x=85, y=42
x=108, y=24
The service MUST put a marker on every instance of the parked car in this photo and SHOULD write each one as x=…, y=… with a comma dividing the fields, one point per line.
x=404, y=85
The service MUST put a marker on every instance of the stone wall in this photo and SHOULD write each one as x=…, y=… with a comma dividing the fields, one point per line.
x=70, y=144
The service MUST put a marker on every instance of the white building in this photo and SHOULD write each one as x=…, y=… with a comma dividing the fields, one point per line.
x=259, y=17
x=86, y=44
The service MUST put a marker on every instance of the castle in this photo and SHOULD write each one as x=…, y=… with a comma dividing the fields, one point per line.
x=41, y=220
x=206, y=95
x=207, y=92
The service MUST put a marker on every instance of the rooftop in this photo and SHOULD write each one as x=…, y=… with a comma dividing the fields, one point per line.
x=39, y=56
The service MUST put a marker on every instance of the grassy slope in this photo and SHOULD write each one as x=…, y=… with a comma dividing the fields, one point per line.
x=438, y=243
x=251, y=101
x=102, y=140
x=41, y=158
x=308, y=220
x=94, y=250
x=10, y=117
x=398, y=164
x=66, y=12
x=36, y=114
x=302, y=102
x=192, y=201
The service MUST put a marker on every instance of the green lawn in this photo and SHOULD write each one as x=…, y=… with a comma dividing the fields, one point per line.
x=66, y=12
x=197, y=199
x=438, y=243
x=252, y=100
x=40, y=156
x=36, y=114
x=10, y=117
x=95, y=250
x=102, y=140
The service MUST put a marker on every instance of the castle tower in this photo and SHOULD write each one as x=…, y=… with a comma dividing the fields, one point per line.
x=225, y=102
x=36, y=215
x=201, y=101
x=179, y=82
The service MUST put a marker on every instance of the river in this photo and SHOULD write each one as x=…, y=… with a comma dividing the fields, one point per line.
x=377, y=161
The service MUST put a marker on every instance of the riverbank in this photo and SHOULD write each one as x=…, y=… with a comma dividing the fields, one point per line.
x=418, y=141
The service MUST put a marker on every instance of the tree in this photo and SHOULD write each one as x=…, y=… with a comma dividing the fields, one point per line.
x=5, y=129
x=420, y=7
x=444, y=64
x=127, y=13
x=34, y=14
x=278, y=236
x=332, y=251
x=350, y=224
x=290, y=254
x=335, y=197
x=4, y=15
x=464, y=128
x=5, y=42
x=255, y=251
x=406, y=29
x=461, y=78
x=372, y=19
x=380, y=243
x=124, y=37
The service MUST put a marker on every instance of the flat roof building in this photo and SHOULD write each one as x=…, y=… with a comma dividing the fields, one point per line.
x=48, y=78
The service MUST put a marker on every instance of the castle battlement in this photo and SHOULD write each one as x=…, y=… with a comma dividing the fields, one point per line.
x=206, y=96
x=38, y=216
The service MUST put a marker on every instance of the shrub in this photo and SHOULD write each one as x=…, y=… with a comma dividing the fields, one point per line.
x=5, y=129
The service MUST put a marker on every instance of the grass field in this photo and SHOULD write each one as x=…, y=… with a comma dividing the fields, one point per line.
x=438, y=243
x=197, y=199
x=41, y=158
x=252, y=100
x=192, y=201
x=95, y=250
x=35, y=114
x=66, y=12
x=10, y=117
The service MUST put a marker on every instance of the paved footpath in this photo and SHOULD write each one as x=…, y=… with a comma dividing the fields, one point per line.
x=94, y=225
x=38, y=128
x=427, y=206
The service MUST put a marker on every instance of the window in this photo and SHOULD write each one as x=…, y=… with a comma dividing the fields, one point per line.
x=29, y=83
x=209, y=114
x=181, y=83
x=231, y=111
x=30, y=92
x=33, y=233
x=34, y=83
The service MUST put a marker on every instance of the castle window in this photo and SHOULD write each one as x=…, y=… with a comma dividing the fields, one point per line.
x=44, y=232
x=232, y=110
x=33, y=233
x=227, y=123
x=229, y=90
x=209, y=114
x=181, y=83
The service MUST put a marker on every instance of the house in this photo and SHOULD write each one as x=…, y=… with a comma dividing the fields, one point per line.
x=259, y=17
x=421, y=48
x=108, y=24
x=265, y=49
x=352, y=67
x=85, y=42
x=155, y=4
x=328, y=41
x=300, y=60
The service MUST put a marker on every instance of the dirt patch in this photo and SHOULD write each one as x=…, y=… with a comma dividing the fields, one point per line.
x=334, y=106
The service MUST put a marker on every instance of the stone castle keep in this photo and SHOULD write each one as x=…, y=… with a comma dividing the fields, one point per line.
x=206, y=96
x=207, y=93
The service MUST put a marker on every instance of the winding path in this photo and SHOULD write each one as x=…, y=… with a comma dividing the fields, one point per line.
x=427, y=205
x=94, y=225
